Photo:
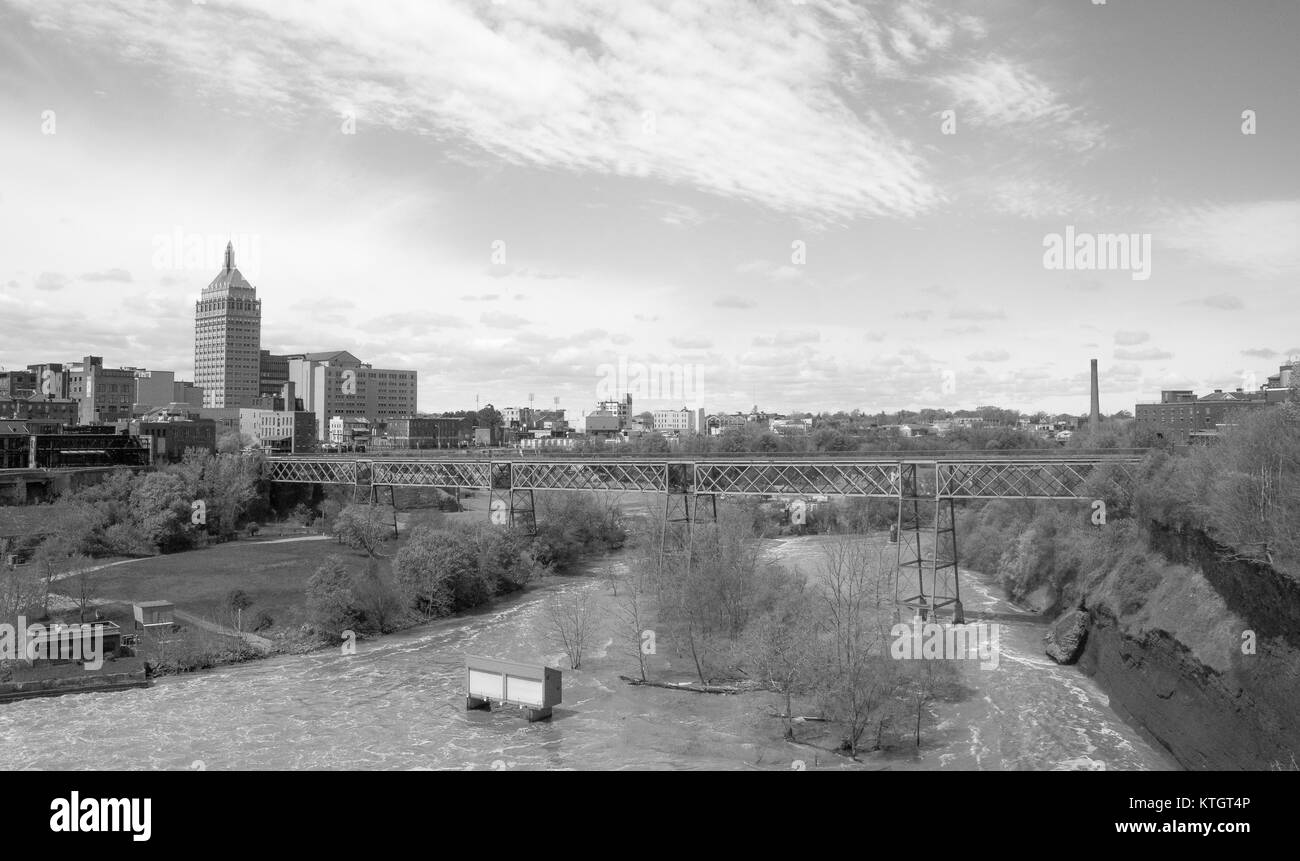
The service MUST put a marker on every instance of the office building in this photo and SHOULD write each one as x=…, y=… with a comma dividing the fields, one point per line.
x=227, y=339
x=337, y=383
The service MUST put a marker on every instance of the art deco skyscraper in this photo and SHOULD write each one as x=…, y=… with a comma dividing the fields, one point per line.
x=228, y=338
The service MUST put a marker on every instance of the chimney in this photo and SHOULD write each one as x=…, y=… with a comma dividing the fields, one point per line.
x=1094, y=419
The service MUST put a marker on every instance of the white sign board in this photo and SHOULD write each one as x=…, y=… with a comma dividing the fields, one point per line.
x=524, y=691
x=485, y=685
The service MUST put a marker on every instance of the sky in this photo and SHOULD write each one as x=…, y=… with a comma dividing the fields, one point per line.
x=811, y=206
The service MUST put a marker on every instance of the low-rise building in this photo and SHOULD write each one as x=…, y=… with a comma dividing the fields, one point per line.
x=282, y=431
x=170, y=435
x=104, y=395
x=37, y=407
x=678, y=421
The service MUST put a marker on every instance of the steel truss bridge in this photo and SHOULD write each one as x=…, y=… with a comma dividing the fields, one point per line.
x=924, y=485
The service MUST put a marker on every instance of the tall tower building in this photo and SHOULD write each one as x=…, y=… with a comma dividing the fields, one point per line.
x=228, y=339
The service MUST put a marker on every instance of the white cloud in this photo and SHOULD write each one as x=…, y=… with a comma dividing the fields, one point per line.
x=1260, y=238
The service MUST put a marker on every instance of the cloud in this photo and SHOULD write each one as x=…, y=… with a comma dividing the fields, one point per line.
x=735, y=302
x=787, y=339
x=999, y=93
x=108, y=275
x=501, y=270
x=916, y=314
x=989, y=356
x=1261, y=238
x=52, y=281
x=1260, y=353
x=767, y=269
x=1224, y=302
x=1146, y=354
x=740, y=100
x=691, y=343
x=501, y=320
x=976, y=314
x=486, y=297
x=1130, y=339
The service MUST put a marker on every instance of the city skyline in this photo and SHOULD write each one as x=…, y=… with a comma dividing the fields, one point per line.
x=509, y=227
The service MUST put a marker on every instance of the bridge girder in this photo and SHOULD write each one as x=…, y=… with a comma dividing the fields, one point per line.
x=985, y=478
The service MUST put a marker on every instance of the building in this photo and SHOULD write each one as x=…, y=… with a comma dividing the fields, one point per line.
x=228, y=339
x=187, y=393
x=103, y=395
x=272, y=372
x=286, y=431
x=678, y=421
x=36, y=407
x=719, y=422
x=621, y=410
x=792, y=427
x=1287, y=376
x=426, y=432
x=351, y=432
x=51, y=379
x=337, y=383
x=170, y=433
x=17, y=384
x=603, y=423
x=153, y=388
x=1181, y=416
x=518, y=418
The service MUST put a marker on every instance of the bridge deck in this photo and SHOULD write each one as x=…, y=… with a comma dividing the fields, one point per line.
x=955, y=475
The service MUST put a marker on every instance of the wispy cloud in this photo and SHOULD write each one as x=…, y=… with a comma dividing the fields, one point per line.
x=1260, y=238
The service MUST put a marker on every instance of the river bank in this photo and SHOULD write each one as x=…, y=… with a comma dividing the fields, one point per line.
x=398, y=703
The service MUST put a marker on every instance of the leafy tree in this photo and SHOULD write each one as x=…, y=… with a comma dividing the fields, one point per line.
x=331, y=603
x=160, y=508
x=359, y=528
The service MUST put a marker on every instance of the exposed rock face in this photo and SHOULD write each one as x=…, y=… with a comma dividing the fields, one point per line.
x=1066, y=637
x=1240, y=713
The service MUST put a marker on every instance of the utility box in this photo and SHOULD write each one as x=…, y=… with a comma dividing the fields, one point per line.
x=532, y=687
x=154, y=614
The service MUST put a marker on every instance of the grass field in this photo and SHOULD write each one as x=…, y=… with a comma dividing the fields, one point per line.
x=273, y=574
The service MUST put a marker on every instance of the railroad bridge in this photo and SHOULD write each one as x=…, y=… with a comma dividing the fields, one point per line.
x=925, y=486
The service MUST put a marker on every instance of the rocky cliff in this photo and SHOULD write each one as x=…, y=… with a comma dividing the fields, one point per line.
x=1209, y=662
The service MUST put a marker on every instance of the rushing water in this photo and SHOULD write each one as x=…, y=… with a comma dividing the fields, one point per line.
x=398, y=703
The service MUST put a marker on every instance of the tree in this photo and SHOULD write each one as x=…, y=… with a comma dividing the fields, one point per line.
x=330, y=600
x=570, y=618
x=426, y=570
x=233, y=442
x=856, y=680
x=357, y=527
x=629, y=614
x=782, y=646
x=160, y=507
x=237, y=601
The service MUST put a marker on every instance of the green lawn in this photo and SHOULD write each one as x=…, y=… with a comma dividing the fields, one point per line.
x=274, y=575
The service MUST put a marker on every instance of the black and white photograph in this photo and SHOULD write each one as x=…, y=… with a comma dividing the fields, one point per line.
x=855, y=386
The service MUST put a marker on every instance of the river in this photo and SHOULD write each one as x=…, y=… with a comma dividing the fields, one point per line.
x=398, y=703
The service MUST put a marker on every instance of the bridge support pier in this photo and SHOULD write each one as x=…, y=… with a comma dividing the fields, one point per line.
x=927, y=543
x=682, y=510
x=508, y=504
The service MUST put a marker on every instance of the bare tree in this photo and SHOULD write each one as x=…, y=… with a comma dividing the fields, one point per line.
x=782, y=647
x=631, y=620
x=858, y=680
x=570, y=615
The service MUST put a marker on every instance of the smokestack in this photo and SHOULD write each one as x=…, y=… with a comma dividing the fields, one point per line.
x=1094, y=418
